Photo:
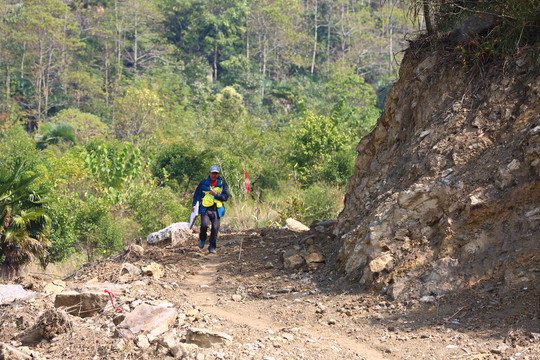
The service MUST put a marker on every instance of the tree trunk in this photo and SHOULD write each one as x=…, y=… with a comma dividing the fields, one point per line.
x=247, y=41
x=22, y=60
x=315, y=39
x=39, y=80
x=118, y=41
x=427, y=17
x=8, y=85
x=107, y=74
x=263, y=72
x=390, y=43
x=328, y=41
x=136, y=46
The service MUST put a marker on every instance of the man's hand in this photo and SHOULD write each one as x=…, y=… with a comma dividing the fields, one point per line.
x=213, y=192
x=193, y=209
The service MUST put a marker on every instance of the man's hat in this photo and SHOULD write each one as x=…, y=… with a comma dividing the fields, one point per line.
x=214, y=168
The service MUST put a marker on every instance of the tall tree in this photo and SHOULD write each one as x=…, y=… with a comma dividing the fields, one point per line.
x=48, y=35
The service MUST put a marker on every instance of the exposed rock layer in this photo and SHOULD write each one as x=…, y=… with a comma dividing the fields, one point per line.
x=446, y=189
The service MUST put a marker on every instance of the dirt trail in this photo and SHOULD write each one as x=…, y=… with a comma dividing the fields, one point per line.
x=205, y=291
x=274, y=313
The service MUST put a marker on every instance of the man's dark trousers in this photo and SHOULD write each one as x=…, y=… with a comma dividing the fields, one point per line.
x=210, y=216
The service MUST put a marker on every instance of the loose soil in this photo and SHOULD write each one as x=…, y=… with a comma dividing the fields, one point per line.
x=281, y=314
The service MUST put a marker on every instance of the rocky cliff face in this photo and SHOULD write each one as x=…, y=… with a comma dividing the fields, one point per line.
x=446, y=190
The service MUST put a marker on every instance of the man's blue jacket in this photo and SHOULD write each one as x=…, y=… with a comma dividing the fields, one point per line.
x=205, y=185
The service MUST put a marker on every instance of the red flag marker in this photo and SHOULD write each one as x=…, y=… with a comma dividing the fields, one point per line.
x=247, y=180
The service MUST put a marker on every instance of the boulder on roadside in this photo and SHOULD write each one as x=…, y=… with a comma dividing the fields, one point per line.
x=55, y=287
x=147, y=319
x=285, y=254
x=293, y=262
x=10, y=293
x=184, y=351
x=130, y=269
x=207, y=338
x=315, y=257
x=154, y=269
x=177, y=233
x=135, y=249
x=295, y=225
x=82, y=304
x=12, y=353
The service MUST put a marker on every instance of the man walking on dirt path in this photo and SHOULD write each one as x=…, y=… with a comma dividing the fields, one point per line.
x=211, y=193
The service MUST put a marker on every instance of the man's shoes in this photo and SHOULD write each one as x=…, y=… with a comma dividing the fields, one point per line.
x=201, y=244
x=212, y=251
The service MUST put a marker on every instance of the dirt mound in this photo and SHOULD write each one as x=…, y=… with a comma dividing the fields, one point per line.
x=52, y=323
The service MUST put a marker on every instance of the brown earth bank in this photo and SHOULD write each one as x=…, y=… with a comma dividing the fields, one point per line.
x=445, y=196
x=255, y=304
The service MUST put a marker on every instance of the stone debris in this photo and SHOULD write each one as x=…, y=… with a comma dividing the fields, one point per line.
x=10, y=293
x=131, y=270
x=81, y=304
x=8, y=352
x=55, y=287
x=135, y=249
x=142, y=342
x=177, y=233
x=315, y=257
x=380, y=263
x=295, y=225
x=294, y=262
x=154, y=269
x=50, y=324
x=207, y=338
x=147, y=319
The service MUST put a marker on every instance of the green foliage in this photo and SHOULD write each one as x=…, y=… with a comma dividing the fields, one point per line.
x=52, y=134
x=181, y=162
x=229, y=105
x=345, y=84
x=24, y=221
x=63, y=234
x=322, y=202
x=293, y=208
x=17, y=147
x=97, y=231
x=137, y=114
x=86, y=126
x=156, y=208
x=317, y=142
x=114, y=170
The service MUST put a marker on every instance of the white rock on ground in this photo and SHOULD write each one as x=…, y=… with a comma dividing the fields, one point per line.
x=206, y=338
x=10, y=293
x=295, y=225
x=177, y=233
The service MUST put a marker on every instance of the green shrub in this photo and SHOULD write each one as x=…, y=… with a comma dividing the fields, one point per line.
x=322, y=202
x=156, y=208
x=86, y=126
x=62, y=235
x=17, y=147
x=97, y=230
x=182, y=163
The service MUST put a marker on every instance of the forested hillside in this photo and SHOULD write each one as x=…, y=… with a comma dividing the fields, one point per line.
x=111, y=111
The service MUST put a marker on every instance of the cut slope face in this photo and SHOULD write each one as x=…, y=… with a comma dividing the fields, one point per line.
x=446, y=190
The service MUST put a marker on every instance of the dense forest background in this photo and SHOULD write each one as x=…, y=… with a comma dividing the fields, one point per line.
x=111, y=111
x=124, y=105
